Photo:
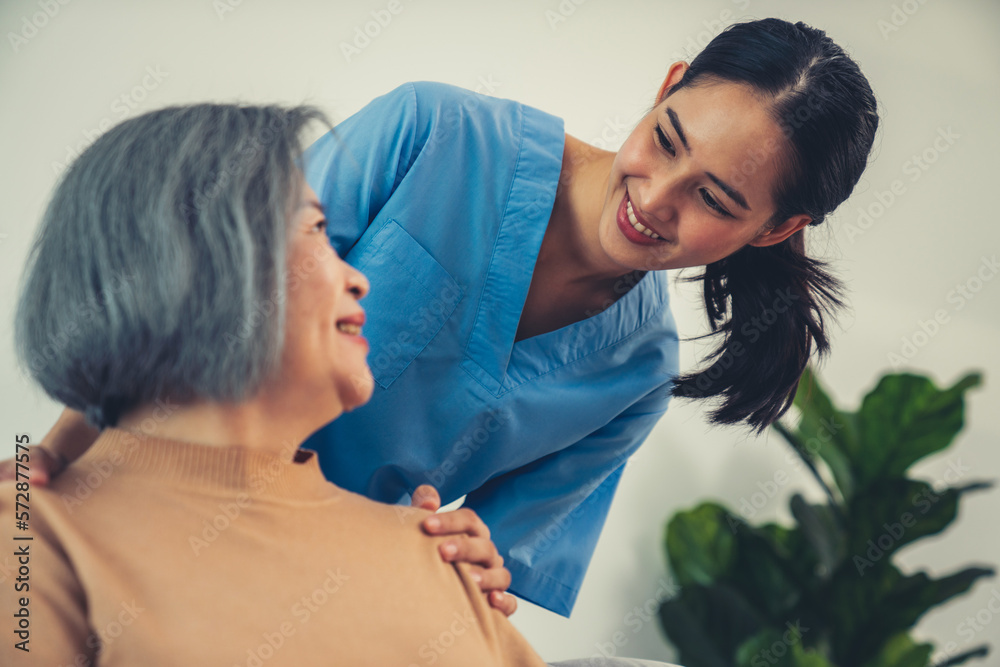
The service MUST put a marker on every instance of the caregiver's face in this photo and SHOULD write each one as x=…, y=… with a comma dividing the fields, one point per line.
x=324, y=352
x=692, y=184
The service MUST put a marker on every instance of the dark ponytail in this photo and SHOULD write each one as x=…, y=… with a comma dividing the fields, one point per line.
x=768, y=303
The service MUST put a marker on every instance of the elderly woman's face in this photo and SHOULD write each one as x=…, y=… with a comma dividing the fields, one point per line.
x=324, y=352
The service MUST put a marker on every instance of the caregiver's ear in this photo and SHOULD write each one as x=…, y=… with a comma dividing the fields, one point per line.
x=779, y=233
x=674, y=76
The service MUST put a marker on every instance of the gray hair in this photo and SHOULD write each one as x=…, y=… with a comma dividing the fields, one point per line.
x=164, y=244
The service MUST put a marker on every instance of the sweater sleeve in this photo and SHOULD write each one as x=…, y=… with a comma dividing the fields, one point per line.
x=48, y=614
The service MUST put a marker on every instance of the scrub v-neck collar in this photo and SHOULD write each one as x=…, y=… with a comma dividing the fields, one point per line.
x=492, y=356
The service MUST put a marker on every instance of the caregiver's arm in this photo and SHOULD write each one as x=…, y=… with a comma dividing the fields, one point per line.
x=68, y=439
x=561, y=502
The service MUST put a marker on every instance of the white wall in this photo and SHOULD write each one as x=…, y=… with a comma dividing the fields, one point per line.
x=599, y=69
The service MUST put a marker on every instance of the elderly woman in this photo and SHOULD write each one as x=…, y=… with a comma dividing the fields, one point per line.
x=183, y=293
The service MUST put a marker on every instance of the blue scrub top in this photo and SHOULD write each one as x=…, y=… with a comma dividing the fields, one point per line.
x=441, y=197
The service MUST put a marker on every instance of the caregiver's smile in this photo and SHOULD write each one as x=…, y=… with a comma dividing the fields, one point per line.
x=635, y=226
x=679, y=190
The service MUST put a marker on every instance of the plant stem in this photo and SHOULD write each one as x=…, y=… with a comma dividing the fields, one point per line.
x=793, y=440
x=978, y=652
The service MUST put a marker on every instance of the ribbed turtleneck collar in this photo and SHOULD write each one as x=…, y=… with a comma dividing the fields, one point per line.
x=213, y=467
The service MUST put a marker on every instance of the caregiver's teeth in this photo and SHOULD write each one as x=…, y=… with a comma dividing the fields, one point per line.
x=631, y=213
x=348, y=328
x=639, y=227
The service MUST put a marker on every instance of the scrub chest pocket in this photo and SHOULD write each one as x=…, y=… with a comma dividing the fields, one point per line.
x=411, y=298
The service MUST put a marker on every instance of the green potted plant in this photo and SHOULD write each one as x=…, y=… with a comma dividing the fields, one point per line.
x=825, y=592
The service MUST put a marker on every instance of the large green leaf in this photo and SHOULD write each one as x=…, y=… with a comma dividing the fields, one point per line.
x=806, y=658
x=778, y=648
x=793, y=551
x=785, y=540
x=709, y=544
x=852, y=604
x=885, y=603
x=894, y=513
x=763, y=574
x=706, y=624
x=918, y=593
x=696, y=646
x=825, y=431
x=904, y=419
x=769, y=563
x=901, y=651
x=700, y=545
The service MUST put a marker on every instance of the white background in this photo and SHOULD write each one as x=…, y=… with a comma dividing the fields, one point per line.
x=598, y=65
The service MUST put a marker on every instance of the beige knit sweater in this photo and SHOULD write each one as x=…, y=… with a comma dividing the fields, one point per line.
x=151, y=552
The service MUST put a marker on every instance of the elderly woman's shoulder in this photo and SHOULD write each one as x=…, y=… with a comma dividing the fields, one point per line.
x=400, y=524
x=392, y=515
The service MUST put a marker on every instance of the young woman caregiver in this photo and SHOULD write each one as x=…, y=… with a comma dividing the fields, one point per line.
x=522, y=341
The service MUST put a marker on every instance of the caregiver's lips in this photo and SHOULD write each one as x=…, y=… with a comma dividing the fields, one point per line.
x=629, y=230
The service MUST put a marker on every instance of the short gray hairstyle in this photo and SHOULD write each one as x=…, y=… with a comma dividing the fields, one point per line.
x=158, y=271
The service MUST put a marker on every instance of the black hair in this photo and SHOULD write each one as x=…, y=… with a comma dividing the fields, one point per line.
x=768, y=303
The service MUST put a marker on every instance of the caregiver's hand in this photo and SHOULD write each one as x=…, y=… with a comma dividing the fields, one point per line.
x=43, y=464
x=69, y=438
x=472, y=545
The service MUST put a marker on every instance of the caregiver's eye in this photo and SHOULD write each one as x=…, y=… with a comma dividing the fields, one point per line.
x=661, y=138
x=321, y=225
x=713, y=204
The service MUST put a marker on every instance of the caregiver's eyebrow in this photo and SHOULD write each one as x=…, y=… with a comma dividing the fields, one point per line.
x=676, y=122
x=730, y=191
x=314, y=204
